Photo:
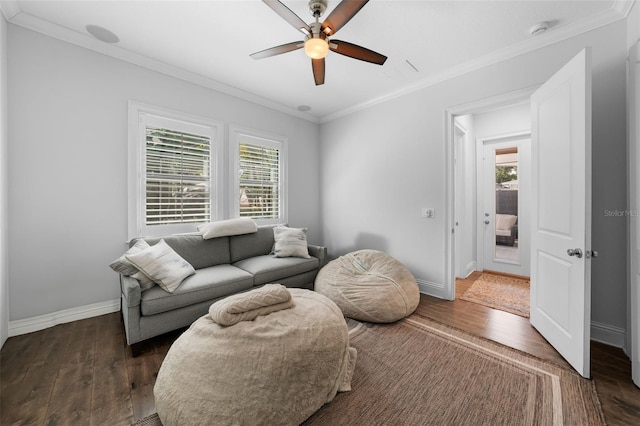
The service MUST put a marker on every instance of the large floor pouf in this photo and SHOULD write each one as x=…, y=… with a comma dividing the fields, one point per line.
x=369, y=285
x=276, y=369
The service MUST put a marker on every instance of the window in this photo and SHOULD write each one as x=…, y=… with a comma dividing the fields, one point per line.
x=173, y=172
x=258, y=176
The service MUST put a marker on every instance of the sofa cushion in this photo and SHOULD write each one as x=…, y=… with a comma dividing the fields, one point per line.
x=250, y=245
x=200, y=253
x=269, y=269
x=206, y=284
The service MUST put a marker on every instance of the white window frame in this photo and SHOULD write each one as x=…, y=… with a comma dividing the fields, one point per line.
x=139, y=116
x=239, y=134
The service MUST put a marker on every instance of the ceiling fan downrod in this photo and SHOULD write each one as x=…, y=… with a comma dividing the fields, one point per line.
x=317, y=8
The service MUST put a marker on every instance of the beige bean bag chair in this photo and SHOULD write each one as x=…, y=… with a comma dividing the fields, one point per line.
x=274, y=356
x=369, y=285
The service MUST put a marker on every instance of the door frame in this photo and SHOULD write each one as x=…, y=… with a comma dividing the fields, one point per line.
x=448, y=292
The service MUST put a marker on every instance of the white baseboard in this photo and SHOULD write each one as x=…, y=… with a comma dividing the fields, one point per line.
x=469, y=269
x=29, y=325
x=431, y=288
x=608, y=334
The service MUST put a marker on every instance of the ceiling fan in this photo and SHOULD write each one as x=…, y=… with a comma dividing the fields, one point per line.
x=317, y=44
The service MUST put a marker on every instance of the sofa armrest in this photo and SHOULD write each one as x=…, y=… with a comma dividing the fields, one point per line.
x=130, y=288
x=319, y=252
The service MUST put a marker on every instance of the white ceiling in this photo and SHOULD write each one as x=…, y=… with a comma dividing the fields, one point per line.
x=209, y=42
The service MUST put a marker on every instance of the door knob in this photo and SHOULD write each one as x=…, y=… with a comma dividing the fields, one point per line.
x=575, y=252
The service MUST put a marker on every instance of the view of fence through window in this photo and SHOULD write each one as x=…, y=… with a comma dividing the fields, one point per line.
x=178, y=166
x=259, y=196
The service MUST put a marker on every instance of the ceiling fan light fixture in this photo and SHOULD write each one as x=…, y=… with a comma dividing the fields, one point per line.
x=316, y=48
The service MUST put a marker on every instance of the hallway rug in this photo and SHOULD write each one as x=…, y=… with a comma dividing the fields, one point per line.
x=500, y=292
x=420, y=372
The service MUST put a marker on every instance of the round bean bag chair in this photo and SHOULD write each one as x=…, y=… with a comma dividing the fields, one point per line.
x=369, y=285
x=257, y=358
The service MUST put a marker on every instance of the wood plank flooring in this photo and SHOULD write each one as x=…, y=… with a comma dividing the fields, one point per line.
x=82, y=372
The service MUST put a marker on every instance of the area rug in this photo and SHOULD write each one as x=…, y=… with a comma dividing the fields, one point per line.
x=420, y=372
x=500, y=292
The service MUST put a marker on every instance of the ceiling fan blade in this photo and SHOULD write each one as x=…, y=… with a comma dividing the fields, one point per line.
x=356, y=52
x=278, y=50
x=286, y=14
x=341, y=15
x=318, y=70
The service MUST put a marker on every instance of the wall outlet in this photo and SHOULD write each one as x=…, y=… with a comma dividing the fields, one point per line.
x=428, y=212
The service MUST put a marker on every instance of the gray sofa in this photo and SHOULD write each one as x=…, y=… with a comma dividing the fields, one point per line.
x=224, y=266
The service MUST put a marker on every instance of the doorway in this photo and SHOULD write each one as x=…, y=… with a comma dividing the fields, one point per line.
x=491, y=161
x=491, y=150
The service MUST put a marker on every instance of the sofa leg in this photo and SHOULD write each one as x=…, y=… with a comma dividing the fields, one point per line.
x=136, y=349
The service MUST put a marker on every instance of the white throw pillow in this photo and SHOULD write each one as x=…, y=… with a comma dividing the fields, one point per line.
x=145, y=281
x=225, y=228
x=122, y=266
x=163, y=265
x=505, y=221
x=290, y=242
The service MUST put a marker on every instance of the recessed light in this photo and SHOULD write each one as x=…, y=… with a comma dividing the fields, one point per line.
x=539, y=28
x=304, y=108
x=102, y=34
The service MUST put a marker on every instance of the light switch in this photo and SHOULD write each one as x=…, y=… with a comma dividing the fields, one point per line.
x=428, y=212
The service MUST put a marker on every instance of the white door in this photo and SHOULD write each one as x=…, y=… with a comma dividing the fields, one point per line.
x=463, y=266
x=561, y=213
x=504, y=185
x=458, y=140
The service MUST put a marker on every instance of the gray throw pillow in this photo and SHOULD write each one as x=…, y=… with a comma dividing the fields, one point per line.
x=122, y=266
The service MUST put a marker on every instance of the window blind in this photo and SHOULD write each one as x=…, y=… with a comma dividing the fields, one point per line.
x=259, y=181
x=178, y=181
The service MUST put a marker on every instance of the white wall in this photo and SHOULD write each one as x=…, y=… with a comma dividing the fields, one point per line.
x=4, y=187
x=382, y=164
x=68, y=165
x=503, y=121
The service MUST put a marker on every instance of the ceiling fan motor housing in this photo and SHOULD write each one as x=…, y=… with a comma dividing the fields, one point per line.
x=317, y=7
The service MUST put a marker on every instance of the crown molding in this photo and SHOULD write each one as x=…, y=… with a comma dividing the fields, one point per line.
x=9, y=8
x=619, y=10
x=623, y=7
x=15, y=16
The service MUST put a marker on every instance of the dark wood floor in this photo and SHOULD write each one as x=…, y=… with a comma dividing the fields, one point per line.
x=82, y=373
